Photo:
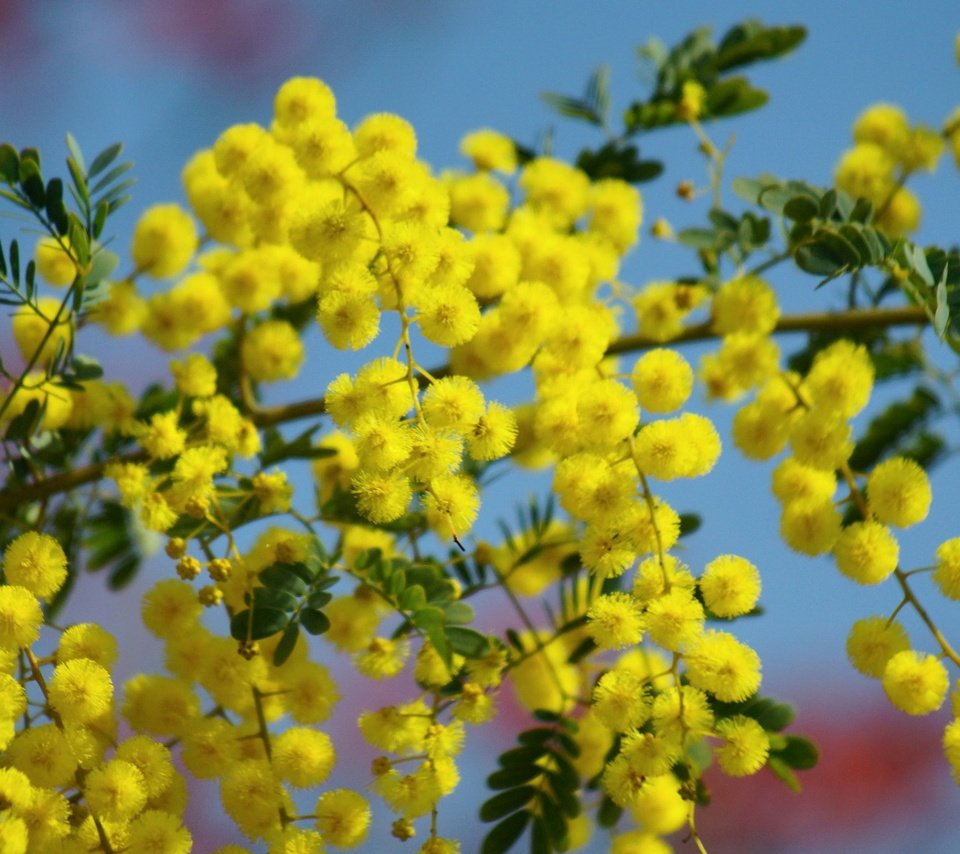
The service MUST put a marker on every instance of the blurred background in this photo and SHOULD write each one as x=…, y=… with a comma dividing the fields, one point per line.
x=166, y=78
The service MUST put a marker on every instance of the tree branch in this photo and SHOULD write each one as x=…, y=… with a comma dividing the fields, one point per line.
x=855, y=319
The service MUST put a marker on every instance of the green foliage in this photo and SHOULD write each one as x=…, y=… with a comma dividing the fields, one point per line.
x=537, y=786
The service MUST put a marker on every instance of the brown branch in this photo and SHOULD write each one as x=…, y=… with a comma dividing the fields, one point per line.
x=271, y=416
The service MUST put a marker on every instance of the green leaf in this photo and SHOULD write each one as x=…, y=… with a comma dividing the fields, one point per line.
x=733, y=96
x=104, y=159
x=103, y=263
x=540, y=834
x=522, y=756
x=698, y=238
x=412, y=598
x=31, y=182
x=817, y=259
x=892, y=428
x=509, y=778
x=572, y=108
x=259, y=624
x=314, y=621
x=459, y=613
x=282, y=577
x=123, y=572
x=468, y=642
x=501, y=838
x=26, y=423
x=597, y=94
x=271, y=597
x=286, y=644
x=840, y=246
x=771, y=715
x=9, y=163
x=941, y=316
x=110, y=177
x=319, y=599
x=75, y=153
x=690, y=523
x=801, y=209
x=506, y=802
x=609, y=813
x=799, y=753
x=750, y=42
x=81, y=190
x=784, y=773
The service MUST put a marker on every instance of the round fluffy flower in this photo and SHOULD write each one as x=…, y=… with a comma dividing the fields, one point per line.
x=80, y=690
x=730, y=586
x=31, y=324
x=448, y=315
x=382, y=496
x=841, y=378
x=745, y=746
x=675, y=619
x=898, y=492
x=164, y=241
x=451, y=504
x=383, y=658
x=662, y=379
x=490, y=151
x=55, y=261
x=872, y=642
x=745, y=304
x=44, y=755
x=615, y=620
x=682, y=711
x=303, y=756
x=867, y=552
x=159, y=832
x=20, y=617
x=343, y=817
x=116, y=790
x=915, y=683
x=723, y=666
x=272, y=351
x=453, y=403
x=620, y=701
x=88, y=640
x=947, y=572
x=37, y=562
x=349, y=320
x=792, y=480
x=951, y=746
x=822, y=438
x=810, y=526
x=170, y=607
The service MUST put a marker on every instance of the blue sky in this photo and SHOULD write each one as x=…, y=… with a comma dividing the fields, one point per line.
x=167, y=80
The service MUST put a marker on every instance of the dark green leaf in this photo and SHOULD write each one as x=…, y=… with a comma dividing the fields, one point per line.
x=506, y=802
x=750, y=42
x=733, y=96
x=522, y=756
x=840, y=246
x=509, y=778
x=501, y=838
x=272, y=597
x=282, y=577
x=889, y=429
x=110, y=177
x=9, y=163
x=286, y=644
x=801, y=208
x=771, y=715
x=799, y=753
x=828, y=203
x=689, y=523
x=123, y=572
x=468, y=642
x=319, y=599
x=259, y=624
x=26, y=423
x=31, y=182
x=815, y=258
x=609, y=813
x=314, y=621
x=79, y=183
x=540, y=836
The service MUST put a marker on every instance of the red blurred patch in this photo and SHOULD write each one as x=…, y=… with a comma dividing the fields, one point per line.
x=873, y=767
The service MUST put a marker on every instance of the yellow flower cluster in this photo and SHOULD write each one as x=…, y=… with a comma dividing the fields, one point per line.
x=887, y=149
